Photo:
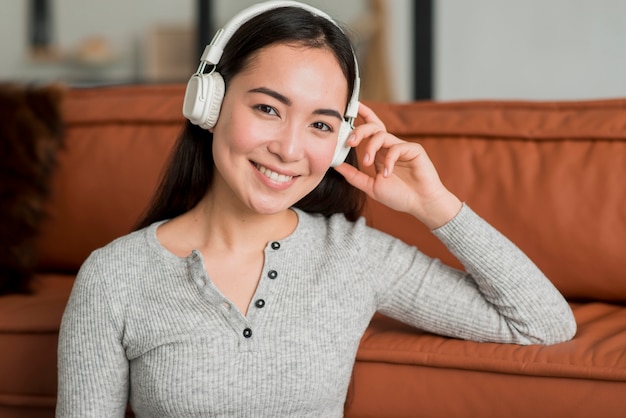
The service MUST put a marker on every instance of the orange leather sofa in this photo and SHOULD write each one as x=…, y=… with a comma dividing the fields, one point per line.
x=551, y=176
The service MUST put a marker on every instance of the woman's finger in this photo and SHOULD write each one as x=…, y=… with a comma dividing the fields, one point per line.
x=369, y=116
x=372, y=125
x=363, y=131
x=355, y=177
x=372, y=148
x=402, y=151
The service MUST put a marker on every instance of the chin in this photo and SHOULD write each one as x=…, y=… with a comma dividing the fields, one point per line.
x=274, y=204
x=269, y=208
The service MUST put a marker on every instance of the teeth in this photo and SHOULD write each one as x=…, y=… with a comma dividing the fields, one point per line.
x=272, y=175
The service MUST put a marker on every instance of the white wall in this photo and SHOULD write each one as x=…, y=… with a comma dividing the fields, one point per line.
x=400, y=48
x=514, y=49
x=530, y=49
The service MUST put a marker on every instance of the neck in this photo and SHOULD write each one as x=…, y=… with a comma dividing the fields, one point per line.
x=226, y=228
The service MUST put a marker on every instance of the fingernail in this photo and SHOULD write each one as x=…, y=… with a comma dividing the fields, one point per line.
x=366, y=158
x=386, y=172
x=351, y=138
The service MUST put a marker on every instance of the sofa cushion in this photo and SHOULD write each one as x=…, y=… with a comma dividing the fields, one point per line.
x=451, y=373
x=29, y=327
x=118, y=139
x=596, y=353
x=30, y=136
x=550, y=176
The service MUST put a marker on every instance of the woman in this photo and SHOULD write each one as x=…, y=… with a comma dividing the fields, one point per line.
x=251, y=280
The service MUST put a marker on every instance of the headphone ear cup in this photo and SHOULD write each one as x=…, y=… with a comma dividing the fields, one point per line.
x=203, y=99
x=342, y=149
x=214, y=104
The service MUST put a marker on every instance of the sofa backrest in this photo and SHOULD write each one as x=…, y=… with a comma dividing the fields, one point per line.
x=117, y=140
x=550, y=176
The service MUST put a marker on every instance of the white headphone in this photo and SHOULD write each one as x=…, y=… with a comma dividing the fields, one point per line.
x=205, y=92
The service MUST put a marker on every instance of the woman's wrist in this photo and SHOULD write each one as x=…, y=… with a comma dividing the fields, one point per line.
x=439, y=211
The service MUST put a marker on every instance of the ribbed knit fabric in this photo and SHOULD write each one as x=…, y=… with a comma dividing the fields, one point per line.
x=146, y=326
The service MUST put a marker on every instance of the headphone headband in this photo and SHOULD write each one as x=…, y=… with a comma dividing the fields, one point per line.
x=213, y=51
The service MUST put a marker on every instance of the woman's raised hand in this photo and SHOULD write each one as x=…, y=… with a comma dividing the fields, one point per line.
x=405, y=178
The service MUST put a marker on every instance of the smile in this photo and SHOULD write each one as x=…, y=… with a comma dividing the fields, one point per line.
x=272, y=175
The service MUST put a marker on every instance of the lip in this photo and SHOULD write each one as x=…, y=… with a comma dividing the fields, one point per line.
x=273, y=177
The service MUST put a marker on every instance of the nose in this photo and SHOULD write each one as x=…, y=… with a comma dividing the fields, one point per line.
x=288, y=144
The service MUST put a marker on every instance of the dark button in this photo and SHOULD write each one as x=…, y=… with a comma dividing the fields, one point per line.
x=259, y=303
x=247, y=333
x=275, y=245
x=272, y=274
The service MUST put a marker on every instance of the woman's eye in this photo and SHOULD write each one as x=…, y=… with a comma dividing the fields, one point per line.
x=322, y=126
x=266, y=109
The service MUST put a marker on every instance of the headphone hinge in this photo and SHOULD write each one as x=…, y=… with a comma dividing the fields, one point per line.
x=212, y=52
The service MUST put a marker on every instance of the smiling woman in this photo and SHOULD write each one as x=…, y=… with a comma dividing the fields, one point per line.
x=248, y=285
x=312, y=34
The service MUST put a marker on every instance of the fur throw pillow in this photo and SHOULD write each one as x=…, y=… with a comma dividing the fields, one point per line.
x=30, y=136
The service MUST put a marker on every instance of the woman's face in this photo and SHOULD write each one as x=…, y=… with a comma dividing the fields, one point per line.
x=278, y=127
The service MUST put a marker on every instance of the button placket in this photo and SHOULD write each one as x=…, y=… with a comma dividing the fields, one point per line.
x=246, y=332
x=198, y=274
x=232, y=316
x=272, y=274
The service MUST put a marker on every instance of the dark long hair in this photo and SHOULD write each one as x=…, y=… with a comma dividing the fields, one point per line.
x=189, y=173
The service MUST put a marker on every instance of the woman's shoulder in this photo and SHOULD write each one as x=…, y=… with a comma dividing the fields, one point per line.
x=133, y=242
x=122, y=253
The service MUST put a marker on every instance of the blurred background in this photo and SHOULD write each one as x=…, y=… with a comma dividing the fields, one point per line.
x=408, y=50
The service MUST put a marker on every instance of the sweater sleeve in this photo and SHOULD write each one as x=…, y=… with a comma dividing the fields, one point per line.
x=500, y=297
x=93, y=368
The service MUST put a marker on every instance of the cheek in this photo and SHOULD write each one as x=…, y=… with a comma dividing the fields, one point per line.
x=233, y=132
x=321, y=154
x=238, y=137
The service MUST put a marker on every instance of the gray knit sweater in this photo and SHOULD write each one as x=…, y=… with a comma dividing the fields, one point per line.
x=146, y=326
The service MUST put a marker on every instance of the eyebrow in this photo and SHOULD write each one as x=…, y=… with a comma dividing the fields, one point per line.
x=285, y=100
